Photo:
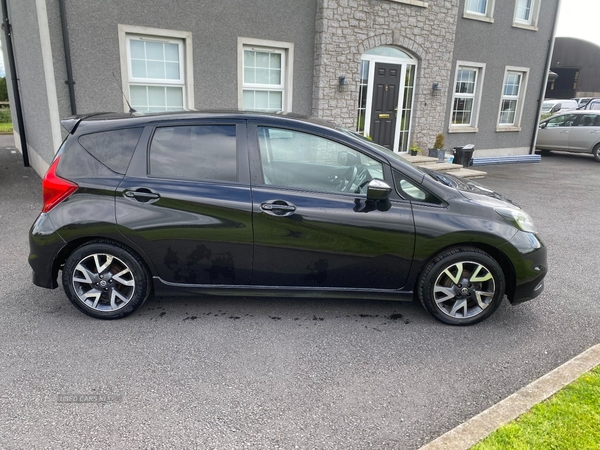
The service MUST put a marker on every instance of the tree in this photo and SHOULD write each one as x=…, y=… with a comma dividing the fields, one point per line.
x=3, y=90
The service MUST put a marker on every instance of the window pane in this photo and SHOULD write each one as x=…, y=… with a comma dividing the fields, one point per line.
x=465, y=81
x=172, y=52
x=261, y=100
x=156, y=97
x=511, y=87
x=275, y=101
x=477, y=6
x=249, y=75
x=249, y=59
x=172, y=71
x=156, y=69
x=139, y=97
x=155, y=50
x=275, y=61
x=262, y=59
x=248, y=99
x=275, y=77
x=262, y=76
x=507, y=114
x=205, y=152
x=174, y=98
x=113, y=148
x=137, y=49
x=138, y=68
x=462, y=110
x=524, y=10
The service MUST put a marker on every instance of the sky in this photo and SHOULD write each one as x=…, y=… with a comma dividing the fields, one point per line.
x=576, y=18
x=579, y=19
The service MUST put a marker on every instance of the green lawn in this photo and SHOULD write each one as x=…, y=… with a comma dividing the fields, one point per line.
x=570, y=420
x=5, y=121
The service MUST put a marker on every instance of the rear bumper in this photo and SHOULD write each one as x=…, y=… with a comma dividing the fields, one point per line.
x=44, y=246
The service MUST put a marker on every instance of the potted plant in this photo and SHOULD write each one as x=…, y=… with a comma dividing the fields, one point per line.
x=414, y=149
x=438, y=151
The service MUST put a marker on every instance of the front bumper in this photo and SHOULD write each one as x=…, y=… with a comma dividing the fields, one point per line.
x=531, y=268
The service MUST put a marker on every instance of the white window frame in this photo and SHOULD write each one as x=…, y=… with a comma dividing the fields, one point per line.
x=473, y=126
x=534, y=12
x=287, y=68
x=487, y=17
x=520, y=98
x=182, y=38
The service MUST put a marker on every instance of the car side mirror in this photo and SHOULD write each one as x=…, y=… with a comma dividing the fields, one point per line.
x=543, y=125
x=378, y=190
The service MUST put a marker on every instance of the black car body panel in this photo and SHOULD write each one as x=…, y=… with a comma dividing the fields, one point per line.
x=247, y=236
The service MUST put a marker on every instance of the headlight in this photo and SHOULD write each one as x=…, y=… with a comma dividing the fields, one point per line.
x=518, y=218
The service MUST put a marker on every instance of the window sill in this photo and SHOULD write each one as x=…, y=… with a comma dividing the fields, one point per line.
x=463, y=130
x=469, y=16
x=412, y=2
x=524, y=26
x=507, y=128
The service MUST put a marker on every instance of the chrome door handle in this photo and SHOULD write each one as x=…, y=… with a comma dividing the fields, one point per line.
x=278, y=207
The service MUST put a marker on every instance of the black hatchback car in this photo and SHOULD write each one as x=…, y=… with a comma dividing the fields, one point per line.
x=270, y=205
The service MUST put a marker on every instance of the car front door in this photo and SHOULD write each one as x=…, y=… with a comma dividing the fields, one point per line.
x=185, y=202
x=555, y=134
x=313, y=225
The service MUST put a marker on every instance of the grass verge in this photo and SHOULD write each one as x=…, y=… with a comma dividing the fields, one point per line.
x=6, y=127
x=568, y=420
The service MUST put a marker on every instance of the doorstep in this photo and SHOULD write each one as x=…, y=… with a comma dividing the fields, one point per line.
x=453, y=169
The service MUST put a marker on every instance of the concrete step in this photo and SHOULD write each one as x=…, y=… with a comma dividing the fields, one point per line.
x=453, y=169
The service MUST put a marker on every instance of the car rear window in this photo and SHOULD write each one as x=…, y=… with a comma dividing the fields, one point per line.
x=112, y=148
x=199, y=152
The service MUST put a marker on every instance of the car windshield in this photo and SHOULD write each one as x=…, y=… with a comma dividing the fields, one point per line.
x=546, y=106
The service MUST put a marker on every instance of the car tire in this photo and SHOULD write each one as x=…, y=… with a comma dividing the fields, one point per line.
x=461, y=286
x=596, y=152
x=546, y=152
x=106, y=280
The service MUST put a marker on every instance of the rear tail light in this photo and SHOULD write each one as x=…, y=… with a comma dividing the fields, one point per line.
x=54, y=188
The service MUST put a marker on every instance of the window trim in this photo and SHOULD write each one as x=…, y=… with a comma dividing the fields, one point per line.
x=473, y=127
x=487, y=17
x=287, y=50
x=532, y=24
x=126, y=31
x=516, y=125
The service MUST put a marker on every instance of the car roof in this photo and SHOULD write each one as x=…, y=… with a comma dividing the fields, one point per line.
x=114, y=119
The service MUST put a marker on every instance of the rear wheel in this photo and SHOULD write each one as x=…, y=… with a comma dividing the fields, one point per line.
x=462, y=286
x=105, y=280
x=596, y=152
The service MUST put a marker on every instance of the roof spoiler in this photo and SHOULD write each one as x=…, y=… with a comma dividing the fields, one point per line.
x=70, y=123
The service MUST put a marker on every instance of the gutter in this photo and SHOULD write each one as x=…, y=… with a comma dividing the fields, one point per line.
x=15, y=80
x=545, y=80
x=65, y=34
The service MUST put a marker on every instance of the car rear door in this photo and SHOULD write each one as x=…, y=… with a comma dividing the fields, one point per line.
x=185, y=202
x=311, y=229
x=586, y=133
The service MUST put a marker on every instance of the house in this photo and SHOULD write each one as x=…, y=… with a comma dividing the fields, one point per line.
x=399, y=71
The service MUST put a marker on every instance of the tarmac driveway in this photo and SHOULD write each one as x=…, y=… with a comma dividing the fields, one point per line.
x=228, y=373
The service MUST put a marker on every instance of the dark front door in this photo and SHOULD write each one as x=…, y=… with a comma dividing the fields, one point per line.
x=385, y=104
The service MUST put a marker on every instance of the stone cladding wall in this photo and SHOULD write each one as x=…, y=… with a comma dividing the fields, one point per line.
x=345, y=29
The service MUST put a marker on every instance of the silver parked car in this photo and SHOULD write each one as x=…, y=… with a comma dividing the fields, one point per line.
x=553, y=106
x=573, y=131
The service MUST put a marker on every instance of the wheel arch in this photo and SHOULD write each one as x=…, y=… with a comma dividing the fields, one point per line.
x=64, y=252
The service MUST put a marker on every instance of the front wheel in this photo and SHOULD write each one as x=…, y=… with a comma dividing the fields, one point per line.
x=105, y=280
x=596, y=152
x=462, y=286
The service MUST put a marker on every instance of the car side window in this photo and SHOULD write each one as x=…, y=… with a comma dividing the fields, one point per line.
x=566, y=120
x=410, y=190
x=199, y=152
x=300, y=160
x=589, y=120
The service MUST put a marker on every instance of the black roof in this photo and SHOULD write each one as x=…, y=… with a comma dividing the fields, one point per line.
x=72, y=122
